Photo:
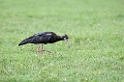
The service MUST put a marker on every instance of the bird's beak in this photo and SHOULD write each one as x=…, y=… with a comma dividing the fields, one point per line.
x=66, y=40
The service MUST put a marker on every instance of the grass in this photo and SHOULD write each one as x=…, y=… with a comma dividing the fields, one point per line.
x=96, y=34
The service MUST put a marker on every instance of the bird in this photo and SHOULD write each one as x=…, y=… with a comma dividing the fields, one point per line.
x=44, y=38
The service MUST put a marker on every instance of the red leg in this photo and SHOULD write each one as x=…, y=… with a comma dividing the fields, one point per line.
x=41, y=50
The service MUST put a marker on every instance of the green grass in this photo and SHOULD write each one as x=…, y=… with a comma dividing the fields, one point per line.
x=96, y=34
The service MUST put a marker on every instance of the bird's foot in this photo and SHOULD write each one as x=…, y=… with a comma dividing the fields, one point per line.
x=48, y=51
x=41, y=51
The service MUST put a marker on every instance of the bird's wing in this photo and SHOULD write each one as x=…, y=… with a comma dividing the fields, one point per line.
x=41, y=38
x=38, y=38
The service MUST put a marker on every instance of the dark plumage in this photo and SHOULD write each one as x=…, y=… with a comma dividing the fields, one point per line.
x=44, y=38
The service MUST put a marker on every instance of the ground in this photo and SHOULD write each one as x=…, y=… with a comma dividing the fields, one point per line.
x=96, y=34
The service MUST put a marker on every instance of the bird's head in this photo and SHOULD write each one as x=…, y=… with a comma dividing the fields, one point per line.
x=65, y=37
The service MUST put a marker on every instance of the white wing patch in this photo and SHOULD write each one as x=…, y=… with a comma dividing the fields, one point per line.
x=49, y=34
x=42, y=34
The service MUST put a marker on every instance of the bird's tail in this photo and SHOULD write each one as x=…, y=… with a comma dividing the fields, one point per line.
x=25, y=41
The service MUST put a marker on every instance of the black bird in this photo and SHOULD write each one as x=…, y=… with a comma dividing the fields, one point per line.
x=44, y=38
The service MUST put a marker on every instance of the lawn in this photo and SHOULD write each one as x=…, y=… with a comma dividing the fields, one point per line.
x=96, y=34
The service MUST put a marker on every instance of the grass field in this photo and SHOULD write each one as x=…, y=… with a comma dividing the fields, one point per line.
x=96, y=34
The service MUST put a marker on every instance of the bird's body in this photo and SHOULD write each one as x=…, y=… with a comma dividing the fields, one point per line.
x=43, y=38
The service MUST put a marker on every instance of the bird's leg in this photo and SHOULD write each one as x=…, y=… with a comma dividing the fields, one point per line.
x=40, y=50
x=42, y=46
x=45, y=50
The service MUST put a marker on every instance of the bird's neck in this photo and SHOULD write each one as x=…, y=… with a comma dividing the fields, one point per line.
x=59, y=38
